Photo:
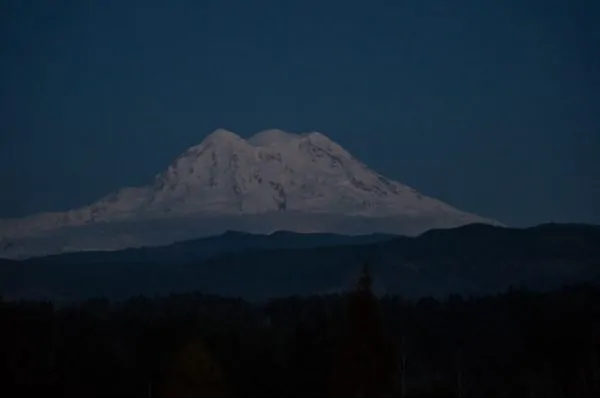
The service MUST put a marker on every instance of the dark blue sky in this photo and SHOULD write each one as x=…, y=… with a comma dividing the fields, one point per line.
x=492, y=106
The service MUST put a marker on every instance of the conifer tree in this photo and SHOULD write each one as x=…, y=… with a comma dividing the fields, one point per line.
x=195, y=374
x=364, y=363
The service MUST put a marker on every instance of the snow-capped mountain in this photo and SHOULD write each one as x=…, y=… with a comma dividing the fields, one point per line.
x=274, y=180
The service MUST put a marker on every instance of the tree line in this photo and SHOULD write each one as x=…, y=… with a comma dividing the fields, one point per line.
x=516, y=344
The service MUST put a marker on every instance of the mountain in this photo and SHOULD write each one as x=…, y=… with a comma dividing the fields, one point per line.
x=272, y=181
x=198, y=250
x=475, y=259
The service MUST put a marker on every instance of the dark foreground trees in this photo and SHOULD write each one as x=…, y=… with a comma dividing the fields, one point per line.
x=365, y=358
x=194, y=373
x=517, y=344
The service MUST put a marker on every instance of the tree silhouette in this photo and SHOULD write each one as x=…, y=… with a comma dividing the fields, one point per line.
x=364, y=364
x=195, y=374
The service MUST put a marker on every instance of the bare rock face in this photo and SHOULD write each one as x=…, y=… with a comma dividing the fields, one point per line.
x=274, y=180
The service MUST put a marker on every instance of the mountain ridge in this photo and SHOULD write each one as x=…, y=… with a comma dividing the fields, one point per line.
x=437, y=263
x=273, y=174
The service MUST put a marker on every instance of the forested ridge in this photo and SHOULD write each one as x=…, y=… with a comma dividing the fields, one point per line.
x=471, y=260
x=515, y=344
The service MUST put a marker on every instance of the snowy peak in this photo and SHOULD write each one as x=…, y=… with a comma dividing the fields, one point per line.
x=275, y=137
x=219, y=139
x=273, y=172
x=279, y=171
x=222, y=136
x=272, y=137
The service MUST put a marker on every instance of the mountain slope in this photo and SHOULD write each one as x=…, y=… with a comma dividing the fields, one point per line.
x=274, y=180
x=474, y=259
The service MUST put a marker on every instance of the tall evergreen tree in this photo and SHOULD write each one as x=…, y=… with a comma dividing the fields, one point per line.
x=365, y=359
x=195, y=374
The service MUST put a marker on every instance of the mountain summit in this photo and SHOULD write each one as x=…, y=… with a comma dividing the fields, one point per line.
x=273, y=180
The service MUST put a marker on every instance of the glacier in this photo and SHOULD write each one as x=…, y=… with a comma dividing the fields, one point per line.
x=274, y=180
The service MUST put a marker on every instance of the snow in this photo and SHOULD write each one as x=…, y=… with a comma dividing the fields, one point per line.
x=222, y=136
x=273, y=171
x=272, y=137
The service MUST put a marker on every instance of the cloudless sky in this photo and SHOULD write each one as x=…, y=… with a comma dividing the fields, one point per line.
x=492, y=106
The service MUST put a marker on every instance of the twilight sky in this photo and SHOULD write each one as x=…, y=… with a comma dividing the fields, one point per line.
x=492, y=106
